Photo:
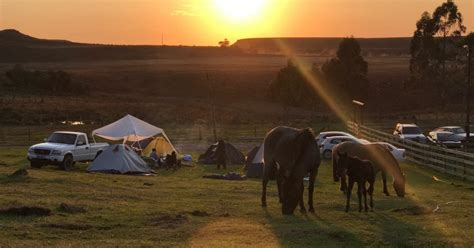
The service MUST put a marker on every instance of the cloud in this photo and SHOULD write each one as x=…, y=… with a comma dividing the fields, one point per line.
x=186, y=9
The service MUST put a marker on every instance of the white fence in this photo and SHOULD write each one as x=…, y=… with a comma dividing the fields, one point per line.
x=452, y=162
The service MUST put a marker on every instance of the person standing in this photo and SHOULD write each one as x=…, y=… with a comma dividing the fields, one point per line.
x=221, y=154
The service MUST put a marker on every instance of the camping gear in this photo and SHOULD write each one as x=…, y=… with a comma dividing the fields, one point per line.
x=254, y=162
x=130, y=128
x=187, y=157
x=119, y=159
x=161, y=145
x=232, y=176
x=233, y=155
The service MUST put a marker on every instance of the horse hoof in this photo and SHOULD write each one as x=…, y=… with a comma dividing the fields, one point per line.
x=311, y=210
x=302, y=210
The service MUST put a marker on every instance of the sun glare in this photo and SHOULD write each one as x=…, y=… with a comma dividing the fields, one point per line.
x=240, y=10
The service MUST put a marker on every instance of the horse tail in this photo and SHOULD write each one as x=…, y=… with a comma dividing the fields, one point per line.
x=335, y=166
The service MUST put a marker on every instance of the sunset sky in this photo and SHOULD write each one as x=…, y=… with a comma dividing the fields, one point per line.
x=205, y=22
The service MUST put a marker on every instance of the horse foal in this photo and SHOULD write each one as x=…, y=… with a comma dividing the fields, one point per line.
x=360, y=172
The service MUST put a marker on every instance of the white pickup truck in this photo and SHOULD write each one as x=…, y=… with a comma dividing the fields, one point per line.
x=64, y=149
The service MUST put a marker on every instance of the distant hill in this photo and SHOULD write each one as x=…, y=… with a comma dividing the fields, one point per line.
x=323, y=46
x=12, y=37
x=16, y=47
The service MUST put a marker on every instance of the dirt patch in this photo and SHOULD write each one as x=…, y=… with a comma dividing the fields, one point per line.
x=67, y=226
x=148, y=184
x=169, y=221
x=71, y=209
x=26, y=211
x=413, y=210
x=21, y=173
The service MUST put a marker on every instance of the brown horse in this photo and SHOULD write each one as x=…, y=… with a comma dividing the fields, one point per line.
x=360, y=172
x=289, y=155
x=381, y=158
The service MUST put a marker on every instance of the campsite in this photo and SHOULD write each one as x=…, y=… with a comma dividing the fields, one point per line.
x=180, y=208
x=236, y=123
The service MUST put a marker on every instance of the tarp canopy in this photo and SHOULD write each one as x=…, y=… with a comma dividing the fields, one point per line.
x=119, y=159
x=130, y=128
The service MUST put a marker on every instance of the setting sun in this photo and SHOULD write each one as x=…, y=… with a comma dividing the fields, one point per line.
x=240, y=10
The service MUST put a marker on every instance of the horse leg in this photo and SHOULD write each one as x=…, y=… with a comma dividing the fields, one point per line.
x=264, y=192
x=359, y=195
x=302, y=208
x=348, y=193
x=280, y=199
x=343, y=187
x=384, y=181
x=312, y=178
x=364, y=191
x=371, y=192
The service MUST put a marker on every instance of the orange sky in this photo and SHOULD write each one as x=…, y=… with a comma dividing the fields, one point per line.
x=201, y=22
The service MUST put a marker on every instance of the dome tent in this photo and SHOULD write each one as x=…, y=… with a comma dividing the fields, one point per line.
x=119, y=159
x=234, y=156
x=254, y=163
x=161, y=145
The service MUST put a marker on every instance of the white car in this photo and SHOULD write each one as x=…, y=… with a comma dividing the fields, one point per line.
x=323, y=135
x=449, y=136
x=328, y=144
x=409, y=132
x=64, y=149
x=398, y=153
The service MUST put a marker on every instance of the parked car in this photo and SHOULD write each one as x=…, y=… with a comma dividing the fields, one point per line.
x=64, y=149
x=409, y=132
x=449, y=136
x=328, y=144
x=323, y=135
x=398, y=153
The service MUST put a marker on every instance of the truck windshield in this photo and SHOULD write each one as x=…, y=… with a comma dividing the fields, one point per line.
x=62, y=138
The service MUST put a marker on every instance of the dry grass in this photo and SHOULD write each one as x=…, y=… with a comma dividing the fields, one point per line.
x=157, y=211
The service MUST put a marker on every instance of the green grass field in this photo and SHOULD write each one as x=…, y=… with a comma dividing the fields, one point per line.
x=157, y=211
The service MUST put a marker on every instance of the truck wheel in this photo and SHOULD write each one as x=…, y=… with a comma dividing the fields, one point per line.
x=327, y=154
x=68, y=162
x=98, y=153
x=36, y=164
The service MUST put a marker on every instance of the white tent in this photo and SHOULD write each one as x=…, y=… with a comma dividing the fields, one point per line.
x=119, y=159
x=130, y=128
x=258, y=159
x=254, y=162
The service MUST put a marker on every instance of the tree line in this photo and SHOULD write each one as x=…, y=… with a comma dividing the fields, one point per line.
x=437, y=68
x=20, y=80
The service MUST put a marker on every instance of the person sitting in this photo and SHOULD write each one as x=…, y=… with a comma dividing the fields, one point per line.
x=172, y=161
x=154, y=156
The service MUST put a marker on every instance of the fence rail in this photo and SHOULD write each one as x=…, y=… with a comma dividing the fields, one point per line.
x=452, y=162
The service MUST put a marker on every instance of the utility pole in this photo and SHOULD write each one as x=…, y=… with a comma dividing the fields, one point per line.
x=468, y=97
x=211, y=106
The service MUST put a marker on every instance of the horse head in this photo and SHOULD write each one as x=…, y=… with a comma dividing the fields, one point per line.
x=290, y=192
x=399, y=184
x=342, y=162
